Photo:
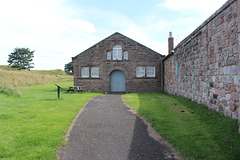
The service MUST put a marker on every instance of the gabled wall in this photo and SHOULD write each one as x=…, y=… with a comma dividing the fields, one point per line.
x=138, y=55
x=208, y=63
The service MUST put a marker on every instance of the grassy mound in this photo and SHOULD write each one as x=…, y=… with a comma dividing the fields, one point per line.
x=49, y=72
x=11, y=79
x=8, y=68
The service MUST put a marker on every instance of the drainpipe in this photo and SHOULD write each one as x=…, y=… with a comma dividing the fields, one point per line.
x=162, y=76
x=239, y=120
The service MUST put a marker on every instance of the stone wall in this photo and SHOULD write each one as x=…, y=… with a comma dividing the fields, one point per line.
x=138, y=55
x=208, y=62
x=169, y=74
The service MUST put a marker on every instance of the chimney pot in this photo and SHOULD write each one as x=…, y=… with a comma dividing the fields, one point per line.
x=170, y=43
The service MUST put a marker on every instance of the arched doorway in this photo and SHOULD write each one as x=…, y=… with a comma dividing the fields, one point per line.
x=117, y=80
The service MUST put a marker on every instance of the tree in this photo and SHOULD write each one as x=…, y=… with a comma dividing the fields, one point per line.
x=69, y=68
x=21, y=58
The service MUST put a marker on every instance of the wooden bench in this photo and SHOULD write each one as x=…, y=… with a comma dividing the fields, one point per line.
x=72, y=88
x=75, y=88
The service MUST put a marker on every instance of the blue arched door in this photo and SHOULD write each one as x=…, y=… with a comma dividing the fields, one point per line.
x=118, y=81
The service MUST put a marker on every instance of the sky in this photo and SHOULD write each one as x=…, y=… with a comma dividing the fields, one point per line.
x=60, y=29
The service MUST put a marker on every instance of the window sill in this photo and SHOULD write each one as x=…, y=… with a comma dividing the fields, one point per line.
x=145, y=78
x=89, y=78
x=117, y=60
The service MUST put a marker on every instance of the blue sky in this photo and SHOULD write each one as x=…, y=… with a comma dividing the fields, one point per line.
x=60, y=29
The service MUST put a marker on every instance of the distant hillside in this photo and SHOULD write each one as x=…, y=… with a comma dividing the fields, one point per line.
x=11, y=79
x=49, y=72
x=7, y=67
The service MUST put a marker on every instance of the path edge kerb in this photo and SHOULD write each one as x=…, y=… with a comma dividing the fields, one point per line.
x=152, y=133
x=66, y=136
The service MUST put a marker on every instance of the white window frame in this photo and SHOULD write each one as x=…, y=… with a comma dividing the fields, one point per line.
x=140, y=71
x=85, y=72
x=117, y=52
x=95, y=72
x=109, y=55
x=151, y=71
x=125, y=55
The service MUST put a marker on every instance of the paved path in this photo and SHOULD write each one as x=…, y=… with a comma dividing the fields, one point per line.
x=106, y=129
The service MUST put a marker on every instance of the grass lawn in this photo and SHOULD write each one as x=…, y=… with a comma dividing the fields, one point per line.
x=32, y=126
x=194, y=131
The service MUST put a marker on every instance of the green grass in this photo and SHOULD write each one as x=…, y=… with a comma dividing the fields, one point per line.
x=194, y=131
x=33, y=126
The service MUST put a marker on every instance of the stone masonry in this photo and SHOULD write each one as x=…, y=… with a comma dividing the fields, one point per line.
x=138, y=55
x=205, y=66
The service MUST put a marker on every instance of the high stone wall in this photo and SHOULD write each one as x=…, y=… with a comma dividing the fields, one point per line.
x=208, y=63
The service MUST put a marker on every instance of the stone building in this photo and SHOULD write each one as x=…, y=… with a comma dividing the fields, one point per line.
x=205, y=66
x=118, y=64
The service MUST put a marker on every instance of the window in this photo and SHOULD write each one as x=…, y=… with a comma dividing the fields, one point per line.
x=117, y=52
x=125, y=55
x=150, y=71
x=109, y=57
x=95, y=72
x=140, y=72
x=85, y=72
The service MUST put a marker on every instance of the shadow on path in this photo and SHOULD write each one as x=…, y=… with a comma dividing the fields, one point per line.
x=148, y=145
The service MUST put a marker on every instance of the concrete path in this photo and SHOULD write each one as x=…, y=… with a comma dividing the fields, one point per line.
x=106, y=129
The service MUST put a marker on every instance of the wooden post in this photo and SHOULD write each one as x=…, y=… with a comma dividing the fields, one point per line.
x=58, y=91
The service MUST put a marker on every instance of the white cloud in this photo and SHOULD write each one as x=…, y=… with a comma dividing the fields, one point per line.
x=198, y=11
x=57, y=32
x=45, y=26
x=208, y=6
x=143, y=36
x=78, y=25
x=184, y=27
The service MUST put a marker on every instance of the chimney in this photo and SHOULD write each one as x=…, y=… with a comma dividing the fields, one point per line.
x=170, y=43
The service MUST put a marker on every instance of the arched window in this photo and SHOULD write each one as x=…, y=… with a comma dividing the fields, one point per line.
x=117, y=52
